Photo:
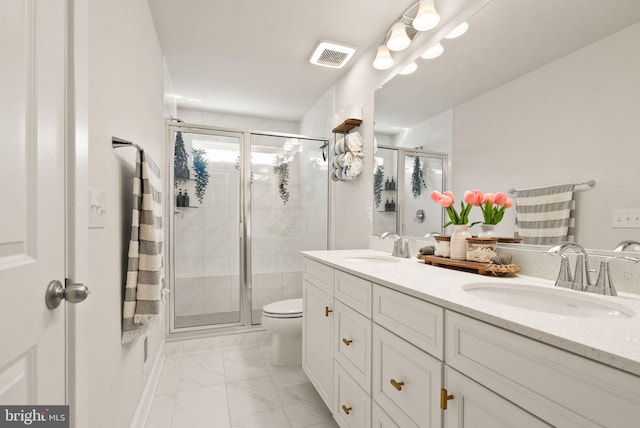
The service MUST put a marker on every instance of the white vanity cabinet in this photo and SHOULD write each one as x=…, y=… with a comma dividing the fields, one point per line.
x=317, y=327
x=560, y=388
x=381, y=358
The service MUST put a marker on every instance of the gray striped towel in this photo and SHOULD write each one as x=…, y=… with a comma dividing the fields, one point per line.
x=545, y=216
x=143, y=288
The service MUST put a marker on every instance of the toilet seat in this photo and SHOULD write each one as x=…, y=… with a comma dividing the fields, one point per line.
x=291, y=308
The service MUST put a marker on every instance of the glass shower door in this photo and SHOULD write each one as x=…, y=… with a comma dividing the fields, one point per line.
x=206, y=220
x=289, y=213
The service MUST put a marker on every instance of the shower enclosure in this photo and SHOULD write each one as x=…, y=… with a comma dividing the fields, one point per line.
x=254, y=201
x=403, y=181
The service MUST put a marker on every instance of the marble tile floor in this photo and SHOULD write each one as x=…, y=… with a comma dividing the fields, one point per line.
x=235, y=387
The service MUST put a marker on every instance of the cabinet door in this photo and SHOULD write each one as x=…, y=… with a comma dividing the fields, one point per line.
x=406, y=381
x=474, y=406
x=317, y=333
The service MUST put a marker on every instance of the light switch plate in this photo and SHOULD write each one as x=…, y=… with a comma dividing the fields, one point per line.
x=96, y=208
x=626, y=219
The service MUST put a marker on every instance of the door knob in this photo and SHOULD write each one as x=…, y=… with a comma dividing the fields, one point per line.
x=72, y=293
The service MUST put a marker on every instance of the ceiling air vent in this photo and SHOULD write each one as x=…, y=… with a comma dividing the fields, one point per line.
x=331, y=54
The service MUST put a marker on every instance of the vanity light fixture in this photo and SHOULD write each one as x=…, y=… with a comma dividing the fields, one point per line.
x=420, y=16
x=433, y=52
x=458, y=31
x=399, y=39
x=427, y=16
x=409, y=68
x=383, y=59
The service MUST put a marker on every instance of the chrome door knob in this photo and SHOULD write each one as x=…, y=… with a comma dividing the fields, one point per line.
x=72, y=293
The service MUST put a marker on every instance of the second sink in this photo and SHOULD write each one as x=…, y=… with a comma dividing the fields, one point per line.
x=550, y=300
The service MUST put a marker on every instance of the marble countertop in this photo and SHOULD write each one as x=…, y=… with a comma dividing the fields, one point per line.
x=611, y=341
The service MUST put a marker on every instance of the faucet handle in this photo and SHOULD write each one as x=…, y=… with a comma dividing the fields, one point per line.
x=604, y=283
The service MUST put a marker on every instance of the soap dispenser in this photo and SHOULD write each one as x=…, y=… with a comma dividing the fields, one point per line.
x=393, y=184
x=180, y=199
x=185, y=201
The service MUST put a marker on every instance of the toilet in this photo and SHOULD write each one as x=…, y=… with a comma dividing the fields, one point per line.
x=284, y=320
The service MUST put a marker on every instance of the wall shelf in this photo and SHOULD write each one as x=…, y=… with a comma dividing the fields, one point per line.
x=347, y=126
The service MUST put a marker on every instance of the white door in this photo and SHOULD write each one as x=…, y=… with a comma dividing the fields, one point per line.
x=32, y=228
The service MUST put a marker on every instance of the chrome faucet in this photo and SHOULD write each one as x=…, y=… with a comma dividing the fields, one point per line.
x=397, y=243
x=581, y=279
x=400, y=245
x=604, y=283
x=625, y=245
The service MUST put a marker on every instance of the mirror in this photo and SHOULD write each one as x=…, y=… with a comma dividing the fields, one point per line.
x=401, y=199
x=536, y=93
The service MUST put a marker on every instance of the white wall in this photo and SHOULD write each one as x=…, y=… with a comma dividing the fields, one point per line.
x=573, y=120
x=224, y=120
x=125, y=100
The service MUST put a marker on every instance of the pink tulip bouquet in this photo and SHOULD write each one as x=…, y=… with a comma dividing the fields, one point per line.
x=446, y=200
x=492, y=205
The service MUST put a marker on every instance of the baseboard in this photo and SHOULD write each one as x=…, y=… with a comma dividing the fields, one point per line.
x=139, y=419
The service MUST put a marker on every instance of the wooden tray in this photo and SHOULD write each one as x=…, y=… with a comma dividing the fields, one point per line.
x=468, y=266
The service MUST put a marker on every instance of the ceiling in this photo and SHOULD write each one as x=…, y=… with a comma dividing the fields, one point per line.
x=250, y=57
x=506, y=39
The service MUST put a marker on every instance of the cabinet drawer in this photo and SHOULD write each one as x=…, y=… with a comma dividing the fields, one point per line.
x=352, y=344
x=414, y=399
x=560, y=388
x=415, y=320
x=351, y=405
x=354, y=291
x=318, y=274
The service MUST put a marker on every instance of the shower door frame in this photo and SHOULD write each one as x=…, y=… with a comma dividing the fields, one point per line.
x=245, y=235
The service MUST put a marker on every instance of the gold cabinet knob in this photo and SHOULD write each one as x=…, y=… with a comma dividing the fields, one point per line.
x=397, y=385
x=327, y=311
x=346, y=409
x=444, y=397
x=347, y=341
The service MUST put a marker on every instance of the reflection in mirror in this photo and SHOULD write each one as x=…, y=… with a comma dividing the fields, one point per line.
x=401, y=201
x=527, y=106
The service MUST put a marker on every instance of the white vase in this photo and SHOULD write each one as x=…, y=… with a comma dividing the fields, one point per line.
x=488, y=231
x=459, y=241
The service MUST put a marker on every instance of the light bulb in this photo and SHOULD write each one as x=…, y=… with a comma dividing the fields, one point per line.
x=458, y=31
x=383, y=59
x=427, y=16
x=433, y=52
x=399, y=40
x=409, y=68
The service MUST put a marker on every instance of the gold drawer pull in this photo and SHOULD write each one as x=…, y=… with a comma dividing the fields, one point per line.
x=327, y=311
x=347, y=341
x=397, y=385
x=444, y=397
x=346, y=409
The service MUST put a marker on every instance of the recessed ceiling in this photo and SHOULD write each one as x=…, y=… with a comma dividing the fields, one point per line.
x=506, y=39
x=252, y=57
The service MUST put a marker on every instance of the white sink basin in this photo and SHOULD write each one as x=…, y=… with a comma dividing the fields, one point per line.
x=550, y=300
x=372, y=259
